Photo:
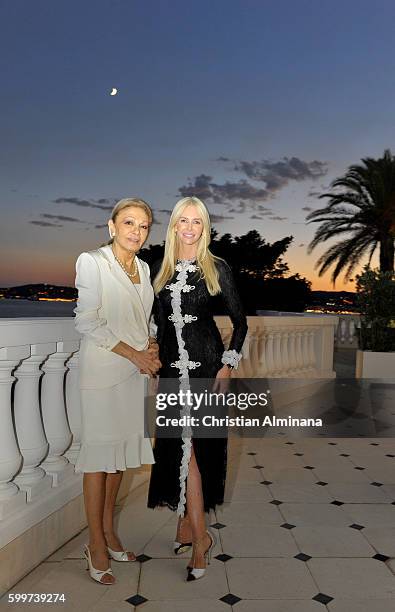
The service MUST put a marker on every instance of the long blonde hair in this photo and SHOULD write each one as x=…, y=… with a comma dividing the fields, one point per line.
x=205, y=259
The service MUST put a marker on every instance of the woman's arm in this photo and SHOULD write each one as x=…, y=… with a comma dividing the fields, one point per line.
x=234, y=308
x=87, y=319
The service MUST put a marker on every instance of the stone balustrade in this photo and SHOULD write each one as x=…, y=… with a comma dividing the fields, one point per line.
x=40, y=421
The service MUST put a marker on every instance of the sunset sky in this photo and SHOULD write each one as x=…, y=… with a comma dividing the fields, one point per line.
x=253, y=105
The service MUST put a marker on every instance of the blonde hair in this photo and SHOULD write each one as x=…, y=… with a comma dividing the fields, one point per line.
x=205, y=259
x=131, y=203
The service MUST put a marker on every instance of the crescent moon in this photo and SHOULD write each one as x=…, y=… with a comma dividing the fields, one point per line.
x=114, y=91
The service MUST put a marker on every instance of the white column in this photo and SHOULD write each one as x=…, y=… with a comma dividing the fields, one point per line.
x=54, y=413
x=73, y=406
x=31, y=437
x=11, y=498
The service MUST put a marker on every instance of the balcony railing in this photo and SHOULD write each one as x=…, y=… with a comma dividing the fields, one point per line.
x=40, y=421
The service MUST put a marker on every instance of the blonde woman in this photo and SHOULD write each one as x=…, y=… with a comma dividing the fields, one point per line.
x=114, y=304
x=189, y=474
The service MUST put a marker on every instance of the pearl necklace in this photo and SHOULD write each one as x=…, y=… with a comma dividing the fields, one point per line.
x=129, y=274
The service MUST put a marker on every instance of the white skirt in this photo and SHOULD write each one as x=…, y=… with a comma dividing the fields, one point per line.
x=113, y=428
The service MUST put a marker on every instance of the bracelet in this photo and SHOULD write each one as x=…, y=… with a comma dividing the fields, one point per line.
x=231, y=359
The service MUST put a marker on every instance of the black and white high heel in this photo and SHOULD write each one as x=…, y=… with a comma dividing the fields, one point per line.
x=195, y=573
x=181, y=547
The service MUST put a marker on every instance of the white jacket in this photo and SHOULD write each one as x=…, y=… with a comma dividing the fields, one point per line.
x=110, y=308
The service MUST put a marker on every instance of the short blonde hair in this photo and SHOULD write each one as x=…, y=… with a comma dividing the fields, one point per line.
x=134, y=203
x=205, y=259
x=130, y=203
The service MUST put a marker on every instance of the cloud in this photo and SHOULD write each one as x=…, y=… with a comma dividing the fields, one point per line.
x=257, y=217
x=277, y=175
x=307, y=208
x=45, y=224
x=101, y=203
x=203, y=187
x=61, y=218
x=218, y=218
x=278, y=218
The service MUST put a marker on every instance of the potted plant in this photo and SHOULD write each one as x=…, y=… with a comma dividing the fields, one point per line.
x=376, y=302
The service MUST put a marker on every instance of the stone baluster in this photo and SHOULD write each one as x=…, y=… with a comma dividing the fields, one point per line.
x=30, y=432
x=343, y=330
x=277, y=353
x=305, y=350
x=270, y=353
x=286, y=367
x=298, y=351
x=293, y=363
x=54, y=413
x=311, y=352
x=11, y=498
x=351, y=331
x=73, y=407
x=261, y=361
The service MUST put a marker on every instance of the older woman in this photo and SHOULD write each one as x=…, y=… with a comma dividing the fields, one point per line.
x=114, y=305
x=189, y=474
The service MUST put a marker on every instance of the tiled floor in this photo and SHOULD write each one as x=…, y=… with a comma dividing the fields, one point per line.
x=305, y=532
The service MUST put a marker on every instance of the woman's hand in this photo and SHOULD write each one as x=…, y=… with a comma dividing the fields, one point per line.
x=147, y=360
x=221, y=383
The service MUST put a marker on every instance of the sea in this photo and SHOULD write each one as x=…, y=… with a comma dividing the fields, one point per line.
x=25, y=309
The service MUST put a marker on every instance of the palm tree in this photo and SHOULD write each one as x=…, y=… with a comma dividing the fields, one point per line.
x=361, y=206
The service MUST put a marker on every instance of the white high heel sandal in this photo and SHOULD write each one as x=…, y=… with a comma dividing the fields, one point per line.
x=94, y=573
x=195, y=573
x=121, y=555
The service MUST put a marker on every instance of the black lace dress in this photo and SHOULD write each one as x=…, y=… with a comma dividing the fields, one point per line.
x=190, y=346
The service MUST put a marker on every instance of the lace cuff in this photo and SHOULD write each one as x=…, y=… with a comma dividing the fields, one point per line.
x=231, y=358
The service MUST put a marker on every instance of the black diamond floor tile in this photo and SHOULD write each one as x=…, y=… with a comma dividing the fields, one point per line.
x=218, y=525
x=302, y=557
x=333, y=443
x=344, y=455
x=136, y=600
x=266, y=482
x=143, y=558
x=257, y=467
x=309, y=467
x=298, y=454
x=380, y=557
x=288, y=526
x=223, y=557
x=321, y=483
x=377, y=484
x=276, y=502
x=337, y=503
x=359, y=468
x=322, y=598
x=356, y=526
x=230, y=599
x=290, y=443
x=251, y=453
x=390, y=455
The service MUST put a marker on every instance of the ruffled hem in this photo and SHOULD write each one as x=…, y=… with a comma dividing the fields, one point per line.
x=111, y=457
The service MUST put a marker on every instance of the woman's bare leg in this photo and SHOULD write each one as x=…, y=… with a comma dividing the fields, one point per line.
x=195, y=509
x=94, y=496
x=113, y=482
x=184, y=532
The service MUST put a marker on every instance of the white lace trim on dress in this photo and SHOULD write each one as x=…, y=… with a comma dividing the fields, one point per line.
x=183, y=364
